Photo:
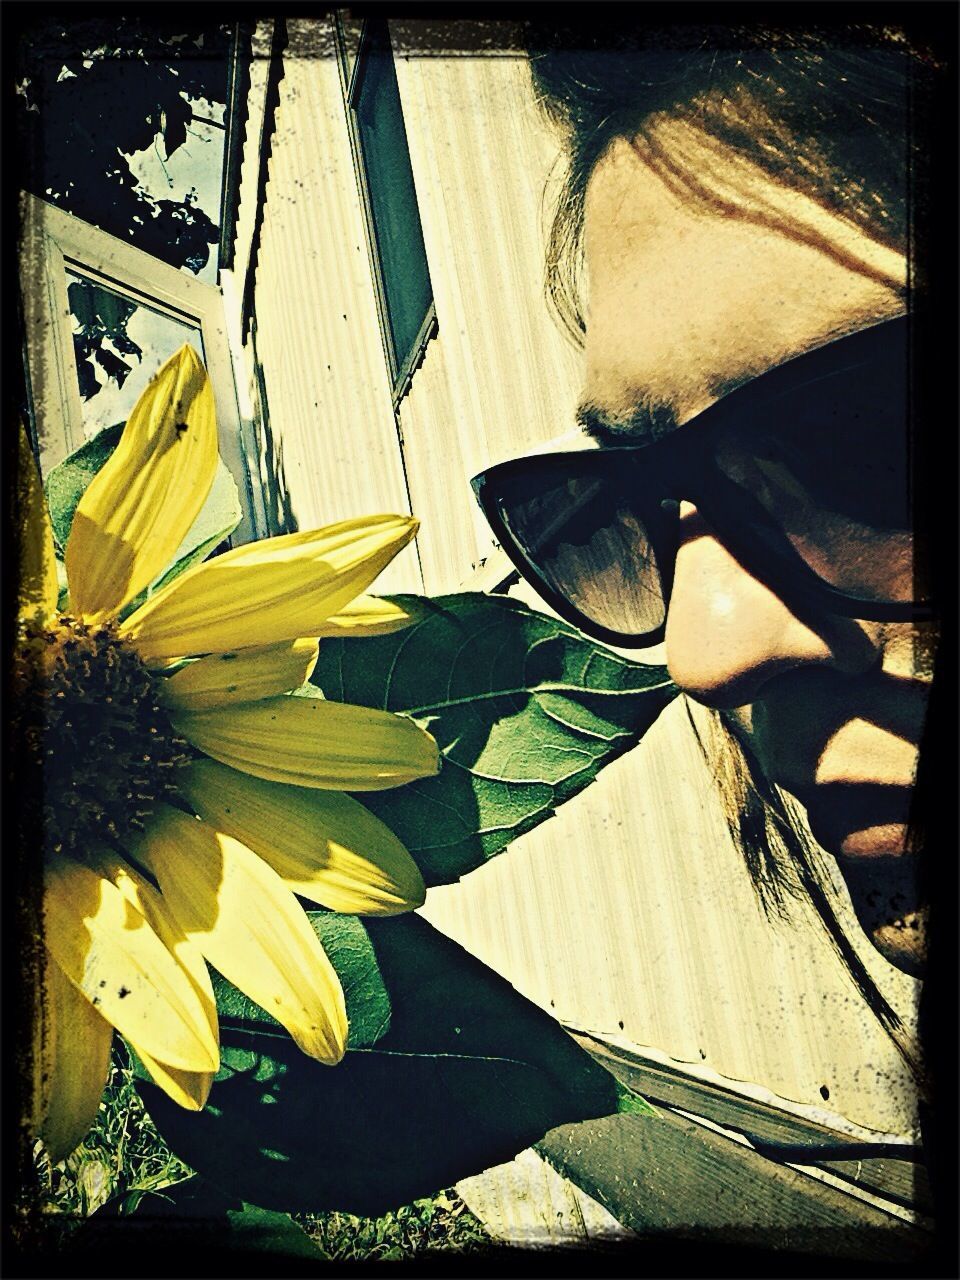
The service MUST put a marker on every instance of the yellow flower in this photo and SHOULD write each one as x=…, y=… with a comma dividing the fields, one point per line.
x=182, y=791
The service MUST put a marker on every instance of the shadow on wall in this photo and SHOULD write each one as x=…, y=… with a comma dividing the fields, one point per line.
x=279, y=511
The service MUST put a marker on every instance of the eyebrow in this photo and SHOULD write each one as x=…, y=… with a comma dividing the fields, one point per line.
x=642, y=425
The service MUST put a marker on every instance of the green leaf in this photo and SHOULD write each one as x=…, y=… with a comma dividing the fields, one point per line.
x=192, y=1211
x=63, y=592
x=268, y=1231
x=66, y=483
x=468, y=1074
x=630, y=1103
x=525, y=709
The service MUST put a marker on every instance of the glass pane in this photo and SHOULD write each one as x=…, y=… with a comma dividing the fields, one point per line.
x=119, y=344
x=591, y=546
x=396, y=217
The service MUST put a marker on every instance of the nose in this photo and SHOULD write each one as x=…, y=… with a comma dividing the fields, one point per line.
x=728, y=634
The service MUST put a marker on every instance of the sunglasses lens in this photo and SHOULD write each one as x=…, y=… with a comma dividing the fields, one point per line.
x=587, y=542
x=830, y=472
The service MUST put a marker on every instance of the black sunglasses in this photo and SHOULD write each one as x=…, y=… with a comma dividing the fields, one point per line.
x=804, y=473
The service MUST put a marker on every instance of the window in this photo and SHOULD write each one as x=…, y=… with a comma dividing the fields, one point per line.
x=100, y=318
x=382, y=157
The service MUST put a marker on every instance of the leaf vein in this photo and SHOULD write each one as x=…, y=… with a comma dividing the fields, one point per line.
x=525, y=691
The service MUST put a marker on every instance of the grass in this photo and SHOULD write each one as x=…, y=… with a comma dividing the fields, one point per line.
x=124, y=1154
x=441, y=1222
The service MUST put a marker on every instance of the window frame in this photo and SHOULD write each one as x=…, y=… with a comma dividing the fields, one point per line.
x=352, y=68
x=235, y=121
x=54, y=242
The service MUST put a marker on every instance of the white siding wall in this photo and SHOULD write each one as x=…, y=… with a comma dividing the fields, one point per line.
x=630, y=913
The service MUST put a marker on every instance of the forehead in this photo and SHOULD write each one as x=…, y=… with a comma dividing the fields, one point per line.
x=691, y=294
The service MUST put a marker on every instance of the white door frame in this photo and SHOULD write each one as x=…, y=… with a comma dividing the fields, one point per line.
x=54, y=242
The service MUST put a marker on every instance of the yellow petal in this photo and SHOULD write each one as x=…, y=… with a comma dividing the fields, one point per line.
x=43, y=1043
x=370, y=616
x=140, y=506
x=38, y=563
x=190, y=1089
x=268, y=591
x=106, y=947
x=250, y=926
x=154, y=908
x=324, y=845
x=311, y=742
x=75, y=1053
x=245, y=675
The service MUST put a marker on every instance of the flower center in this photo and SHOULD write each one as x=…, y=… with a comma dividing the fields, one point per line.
x=93, y=734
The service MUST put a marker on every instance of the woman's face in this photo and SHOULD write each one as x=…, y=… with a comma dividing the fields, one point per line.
x=687, y=298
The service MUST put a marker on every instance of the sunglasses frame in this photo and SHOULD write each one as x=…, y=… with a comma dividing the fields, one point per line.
x=682, y=465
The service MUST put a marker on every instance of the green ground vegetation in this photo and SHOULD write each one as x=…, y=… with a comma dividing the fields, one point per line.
x=124, y=1156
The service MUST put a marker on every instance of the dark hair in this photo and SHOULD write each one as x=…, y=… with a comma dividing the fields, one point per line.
x=824, y=112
